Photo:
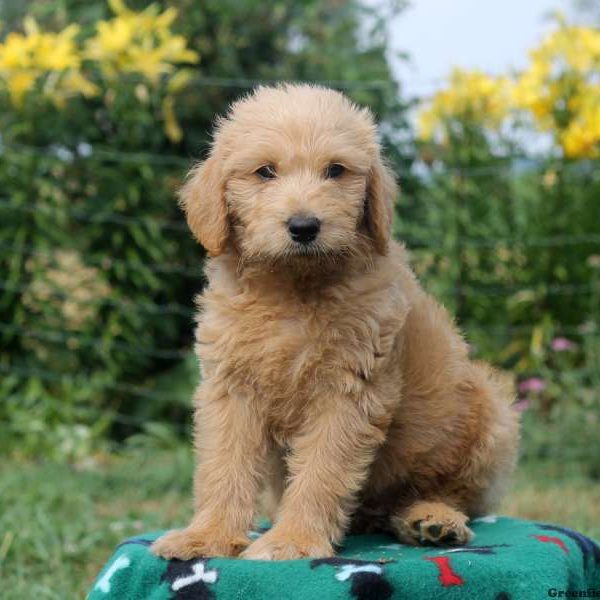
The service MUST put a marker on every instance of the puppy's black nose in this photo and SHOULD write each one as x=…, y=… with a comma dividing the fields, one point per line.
x=304, y=229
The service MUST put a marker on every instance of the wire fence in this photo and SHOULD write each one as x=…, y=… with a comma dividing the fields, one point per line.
x=514, y=163
x=76, y=341
x=249, y=83
x=85, y=216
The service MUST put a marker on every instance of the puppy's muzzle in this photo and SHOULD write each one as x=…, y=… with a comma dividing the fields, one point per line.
x=303, y=229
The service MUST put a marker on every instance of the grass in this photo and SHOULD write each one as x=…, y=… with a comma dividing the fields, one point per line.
x=59, y=524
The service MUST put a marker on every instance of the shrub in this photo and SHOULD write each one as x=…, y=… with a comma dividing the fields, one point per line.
x=99, y=121
x=517, y=234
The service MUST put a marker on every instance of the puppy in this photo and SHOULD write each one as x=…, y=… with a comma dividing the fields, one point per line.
x=328, y=375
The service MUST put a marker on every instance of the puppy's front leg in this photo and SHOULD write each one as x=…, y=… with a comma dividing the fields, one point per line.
x=231, y=449
x=328, y=464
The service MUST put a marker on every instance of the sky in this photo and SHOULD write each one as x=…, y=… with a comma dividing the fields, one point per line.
x=491, y=35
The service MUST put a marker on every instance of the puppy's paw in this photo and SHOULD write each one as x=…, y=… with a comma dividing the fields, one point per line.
x=426, y=523
x=191, y=542
x=274, y=545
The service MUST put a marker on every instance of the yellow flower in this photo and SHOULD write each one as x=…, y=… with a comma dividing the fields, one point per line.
x=141, y=43
x=179, y=80
x=560, y=88
x=112, y=38
x=470, y=96
x=426, y=124
x=18, y=85
x=577, y=142
x=58, y=52
x=73, y=83
x=172, y=128
x=28, y=57
x=40, y=51
x=581, y=138
x=528, y=93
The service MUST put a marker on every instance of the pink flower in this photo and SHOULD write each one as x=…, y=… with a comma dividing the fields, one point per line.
x=562, y=344
x=521, y=405
x=533, y=384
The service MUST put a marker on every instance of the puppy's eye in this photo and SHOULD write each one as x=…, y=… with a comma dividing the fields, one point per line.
x=266, y=172
x=334, y=170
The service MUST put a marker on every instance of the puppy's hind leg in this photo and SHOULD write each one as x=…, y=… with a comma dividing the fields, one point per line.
x=431, y=522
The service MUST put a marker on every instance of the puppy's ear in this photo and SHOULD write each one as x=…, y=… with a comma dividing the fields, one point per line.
x=203, y=201
x=379, y=208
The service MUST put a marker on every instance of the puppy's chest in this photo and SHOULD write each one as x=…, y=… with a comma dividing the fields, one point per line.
x=287, y=350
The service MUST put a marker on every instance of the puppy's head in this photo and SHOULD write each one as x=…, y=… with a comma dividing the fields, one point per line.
x=294, y=174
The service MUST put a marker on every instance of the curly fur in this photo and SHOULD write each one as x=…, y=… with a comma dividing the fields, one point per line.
x=330, y=377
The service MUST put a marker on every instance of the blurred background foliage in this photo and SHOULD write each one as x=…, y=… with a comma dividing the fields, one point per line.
x=104, y=105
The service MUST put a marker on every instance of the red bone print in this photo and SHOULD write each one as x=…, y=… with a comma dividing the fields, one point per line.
x=447, y=575
x=548, y=539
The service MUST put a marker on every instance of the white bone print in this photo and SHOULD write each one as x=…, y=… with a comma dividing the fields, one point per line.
x=199, y=574
x=348, y=570
x=104, y=582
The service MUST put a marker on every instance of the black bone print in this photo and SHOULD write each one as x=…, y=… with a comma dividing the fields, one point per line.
x=178, y=569
x=477, y=549
x=364, y=585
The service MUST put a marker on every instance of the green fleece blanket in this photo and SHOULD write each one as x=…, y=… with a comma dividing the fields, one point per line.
x=508, y=559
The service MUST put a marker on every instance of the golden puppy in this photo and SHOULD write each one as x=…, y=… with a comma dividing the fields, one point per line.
x=329, y=376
